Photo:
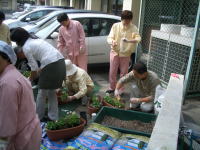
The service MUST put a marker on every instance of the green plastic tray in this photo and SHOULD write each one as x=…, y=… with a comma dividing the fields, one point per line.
x=125, y=115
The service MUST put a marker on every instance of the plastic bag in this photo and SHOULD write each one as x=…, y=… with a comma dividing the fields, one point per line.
x=159, y=98
x=3, y=144
x=130, y=142
x=95, y=137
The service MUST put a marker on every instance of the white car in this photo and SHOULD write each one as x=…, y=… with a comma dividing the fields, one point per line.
x=33, y=27
x=96, y=26
x=31, y=16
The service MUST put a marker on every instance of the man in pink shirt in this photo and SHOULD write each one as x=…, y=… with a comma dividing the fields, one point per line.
x=19, y=123
x=71, y=41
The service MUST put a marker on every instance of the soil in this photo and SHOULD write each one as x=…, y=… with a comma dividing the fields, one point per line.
x=130, y=124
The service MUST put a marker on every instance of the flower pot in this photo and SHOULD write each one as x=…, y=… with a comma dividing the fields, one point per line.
x=92, y=109
x=67, y=133
x=60, y=101
x=107, y=104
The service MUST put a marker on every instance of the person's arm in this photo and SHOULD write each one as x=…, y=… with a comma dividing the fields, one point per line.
x=82, y=88
x=8, y=37
x=9, y=104
x=111, y=37
x=33, y=65
x=136, y=39
x=151, y=95
x=123, y=80
x=81, y=37
x=61, y=42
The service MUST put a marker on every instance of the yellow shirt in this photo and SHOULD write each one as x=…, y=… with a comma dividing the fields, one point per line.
x=79, y=83
x=5, y=33
x=118, y=32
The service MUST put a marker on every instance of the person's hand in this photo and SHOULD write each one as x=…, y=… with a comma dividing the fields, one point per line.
x=71, y=98
x=117, y=93
x=114, y=43
x=125, y=39
x=82, y=50
x=134, y=100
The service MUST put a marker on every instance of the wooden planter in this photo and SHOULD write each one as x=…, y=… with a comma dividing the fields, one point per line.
x=67, y=133
x=93, y=109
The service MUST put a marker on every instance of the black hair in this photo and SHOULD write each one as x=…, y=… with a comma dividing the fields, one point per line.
x=62, y=17
x=2, y=16
x=140, y=67
x=20, y=36
x=5, y=56
x=126, y=14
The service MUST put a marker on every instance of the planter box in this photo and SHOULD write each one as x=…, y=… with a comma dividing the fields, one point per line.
x=125, y=115
x=67, y=133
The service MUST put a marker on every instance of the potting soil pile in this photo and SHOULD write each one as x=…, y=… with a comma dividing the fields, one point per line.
x=128, y=124
x=96, y=137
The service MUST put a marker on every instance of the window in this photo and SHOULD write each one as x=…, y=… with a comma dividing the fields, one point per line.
x=85, y=23
x=106, y=25
x=36, y=15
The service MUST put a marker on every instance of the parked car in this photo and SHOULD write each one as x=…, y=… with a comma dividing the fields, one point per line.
x=40, y=23
x=96, y=26
x=15, y=15
x=31, y=16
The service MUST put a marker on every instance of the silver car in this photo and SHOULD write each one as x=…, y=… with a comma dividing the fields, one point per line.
x=96, y=26
x=31, y=16
x=33, y=27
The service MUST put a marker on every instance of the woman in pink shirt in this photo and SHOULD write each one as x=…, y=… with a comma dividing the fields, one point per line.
x=19, y=123
x=71, y=41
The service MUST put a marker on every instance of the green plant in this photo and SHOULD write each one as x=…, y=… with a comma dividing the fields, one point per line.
x=114, y=101
x=26, y=73
x=70, y=120
x=64, y=93
x=95, y=102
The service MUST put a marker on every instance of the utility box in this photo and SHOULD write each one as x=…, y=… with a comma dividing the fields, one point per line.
x=169, y=52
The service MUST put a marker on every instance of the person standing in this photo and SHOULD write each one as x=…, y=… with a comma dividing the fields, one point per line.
x=19, y=123
x=123, y=38
x=51, y=73
x=71, y=41
x=4, y=30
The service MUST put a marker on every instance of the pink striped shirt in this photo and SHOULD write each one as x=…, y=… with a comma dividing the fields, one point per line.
x=71, y=39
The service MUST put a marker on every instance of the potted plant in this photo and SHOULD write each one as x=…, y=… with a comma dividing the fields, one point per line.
x=94, y=104
x=113, y=102
x=66, y=127
x=26, y=73
x=62, y=95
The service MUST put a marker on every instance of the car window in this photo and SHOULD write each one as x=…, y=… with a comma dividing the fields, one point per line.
x=44, y=25
x=86, y=25
x=96, y=26
x=36, y=15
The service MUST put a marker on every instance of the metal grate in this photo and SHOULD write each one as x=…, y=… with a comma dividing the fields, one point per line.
x=158, y=50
